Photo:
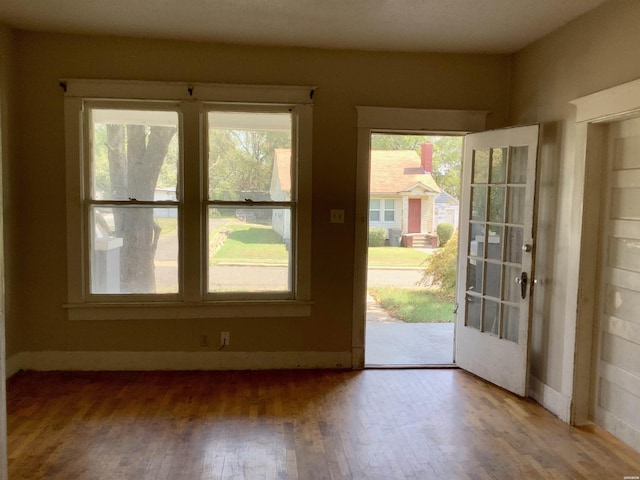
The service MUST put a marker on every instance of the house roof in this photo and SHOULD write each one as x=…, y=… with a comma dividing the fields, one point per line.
x=396, y=171
x=445, y=199
x=282, y=166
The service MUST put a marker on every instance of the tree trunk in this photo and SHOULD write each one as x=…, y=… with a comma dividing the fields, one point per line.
x=134, y=167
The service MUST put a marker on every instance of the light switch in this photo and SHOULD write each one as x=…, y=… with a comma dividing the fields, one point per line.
x=337, y=216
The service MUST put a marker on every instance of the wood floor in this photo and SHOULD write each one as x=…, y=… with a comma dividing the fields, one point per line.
x=374, y=424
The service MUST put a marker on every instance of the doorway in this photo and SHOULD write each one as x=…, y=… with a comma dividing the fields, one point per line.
x=414, y=188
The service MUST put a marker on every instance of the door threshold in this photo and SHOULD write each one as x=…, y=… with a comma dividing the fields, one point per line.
x=371, y=366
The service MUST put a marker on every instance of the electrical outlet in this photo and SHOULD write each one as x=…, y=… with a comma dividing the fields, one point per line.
x=224, y=338
x=204, y=340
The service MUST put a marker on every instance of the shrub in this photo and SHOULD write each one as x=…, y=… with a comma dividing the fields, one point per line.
x=444, y=231
x=441, y=268
x=376, y=237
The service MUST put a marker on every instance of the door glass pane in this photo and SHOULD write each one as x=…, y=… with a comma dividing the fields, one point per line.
x=518, y=164
x=492, y=280
x=474, y=311
x=491, y=317
x=249, y=156
x=494, y=243
x=498, y=165
x=515, y=205
x=511, y=289
x=135, y=154
x=134, y=250
x=474, y=275
x=514, y=245
x=480, y=172
x=479, y=203
x=249, y=249
x=510, y=322
x=496, y=204
x=476, y=240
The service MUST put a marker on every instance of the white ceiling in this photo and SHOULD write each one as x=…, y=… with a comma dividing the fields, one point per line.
x=491, y=26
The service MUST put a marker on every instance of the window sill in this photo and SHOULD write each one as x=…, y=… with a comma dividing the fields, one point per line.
x=180, y=310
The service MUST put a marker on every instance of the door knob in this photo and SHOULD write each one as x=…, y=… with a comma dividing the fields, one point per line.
x=527, y=247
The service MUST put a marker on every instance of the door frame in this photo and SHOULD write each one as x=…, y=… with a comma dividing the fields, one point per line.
x=592, y=113
x=390, y=120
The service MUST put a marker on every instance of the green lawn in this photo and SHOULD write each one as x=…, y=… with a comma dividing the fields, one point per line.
x=396, y=256
x=414, y=305
x=251, y=243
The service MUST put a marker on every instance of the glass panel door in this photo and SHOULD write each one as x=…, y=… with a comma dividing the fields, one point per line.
x=496, y=260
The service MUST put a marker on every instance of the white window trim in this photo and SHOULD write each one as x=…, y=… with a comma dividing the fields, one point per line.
x=194, y=302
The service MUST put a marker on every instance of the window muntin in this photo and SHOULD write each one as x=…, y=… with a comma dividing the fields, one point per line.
x=131, y=206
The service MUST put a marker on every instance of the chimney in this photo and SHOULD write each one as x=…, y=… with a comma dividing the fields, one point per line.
x=427, y=157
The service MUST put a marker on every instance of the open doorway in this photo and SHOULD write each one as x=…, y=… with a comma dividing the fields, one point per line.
x=413, y=217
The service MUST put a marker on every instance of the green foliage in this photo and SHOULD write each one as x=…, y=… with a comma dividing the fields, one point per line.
x=414, y=305
x=444, y=231
x=376, y=237
x=441, y=268
x=447, y=155
x=242, y=161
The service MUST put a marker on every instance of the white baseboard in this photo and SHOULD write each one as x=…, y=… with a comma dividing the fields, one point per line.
x=90, y=361
x=552, y=400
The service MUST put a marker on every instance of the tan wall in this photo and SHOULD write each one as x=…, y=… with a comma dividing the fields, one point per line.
x=344, y=80
x=597, y=51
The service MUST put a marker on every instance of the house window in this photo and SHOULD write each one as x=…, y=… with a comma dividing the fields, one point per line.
x=187, y=198
x=382, y=210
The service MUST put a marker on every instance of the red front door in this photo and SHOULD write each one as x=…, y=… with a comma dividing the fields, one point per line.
x=415, y=212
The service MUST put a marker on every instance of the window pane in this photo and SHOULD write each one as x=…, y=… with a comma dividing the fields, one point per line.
x=498, y=165
x=494, y=247
x=389, y=204
x=496, y=204
x=249, y=156
x=374, y=204
x=474, y=312
x=514, y=244
x=374, y=215
x=388, y=215
x=492, y=281
x=478, y=203
x=476, y=240
x=518, y=164
x=510, y=322
x=491, y=317
x=134, y=250
x=249, y=249
x=474, y=275
x=516, y=205
x=135, y=154
x=480, y=166
x=511, y=289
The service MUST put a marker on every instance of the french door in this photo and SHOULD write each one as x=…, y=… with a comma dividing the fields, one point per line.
x=495, y=269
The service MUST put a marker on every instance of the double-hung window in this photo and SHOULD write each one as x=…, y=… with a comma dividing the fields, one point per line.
x=187, y=200
x=382, y=210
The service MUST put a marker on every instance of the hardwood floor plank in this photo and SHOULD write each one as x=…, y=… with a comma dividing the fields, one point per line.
x=374, y=424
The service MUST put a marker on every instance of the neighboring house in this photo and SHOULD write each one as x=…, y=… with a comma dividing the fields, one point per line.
x=447, y=210
x=402, y=195
x=280, y=190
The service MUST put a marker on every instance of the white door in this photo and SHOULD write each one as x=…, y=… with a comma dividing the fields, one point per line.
x=496, y=255
x=617, y=387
